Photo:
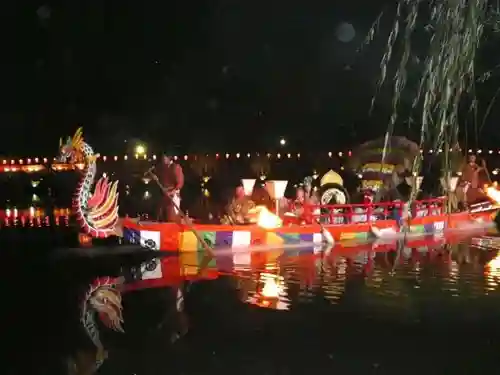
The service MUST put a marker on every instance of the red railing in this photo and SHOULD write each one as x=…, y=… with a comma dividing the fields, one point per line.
x=359, y=213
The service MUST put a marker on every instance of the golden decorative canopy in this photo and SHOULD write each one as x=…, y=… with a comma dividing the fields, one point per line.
x=331, y=177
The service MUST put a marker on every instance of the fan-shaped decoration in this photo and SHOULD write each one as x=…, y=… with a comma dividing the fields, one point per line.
x=371, y=184
x=374, y=168
x=398, y=150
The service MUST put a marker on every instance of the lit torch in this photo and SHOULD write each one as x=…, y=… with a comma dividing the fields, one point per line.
x=265, y=218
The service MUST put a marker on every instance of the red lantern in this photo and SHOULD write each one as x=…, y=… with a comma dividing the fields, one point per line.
x=84, y=239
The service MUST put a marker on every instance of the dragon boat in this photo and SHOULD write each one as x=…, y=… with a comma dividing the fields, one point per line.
x=334, y=220
x=97, y=211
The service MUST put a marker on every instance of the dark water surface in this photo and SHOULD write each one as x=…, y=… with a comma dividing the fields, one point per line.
x=436, y=311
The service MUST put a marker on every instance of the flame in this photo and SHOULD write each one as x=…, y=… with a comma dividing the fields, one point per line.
x=265, y=218
x=493, y=193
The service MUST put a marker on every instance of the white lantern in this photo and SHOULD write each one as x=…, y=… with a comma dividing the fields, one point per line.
x=276, y=188
x=248, y=184
x=419, y=179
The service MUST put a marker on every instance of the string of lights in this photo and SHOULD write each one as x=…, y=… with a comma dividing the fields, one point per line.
x=217, y=156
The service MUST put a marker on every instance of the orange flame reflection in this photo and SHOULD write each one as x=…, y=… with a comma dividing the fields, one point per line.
x=265, y=218
x=492, y=271
x=272, y=287
x=270, y=293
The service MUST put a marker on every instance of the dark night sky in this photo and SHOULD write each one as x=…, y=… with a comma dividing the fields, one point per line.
x=206, y=75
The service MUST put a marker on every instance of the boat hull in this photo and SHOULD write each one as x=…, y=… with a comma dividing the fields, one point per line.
x=174, y=237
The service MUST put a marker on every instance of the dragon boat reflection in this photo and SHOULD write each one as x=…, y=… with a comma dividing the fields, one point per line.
x=274, y=279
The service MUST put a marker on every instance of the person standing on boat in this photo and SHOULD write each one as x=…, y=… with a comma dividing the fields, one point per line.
x=469, y=181
x=172, y=179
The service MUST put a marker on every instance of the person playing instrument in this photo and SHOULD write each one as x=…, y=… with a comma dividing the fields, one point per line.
x=297, y=204
x=238, y=208
x=300, y=206
x=172, y=179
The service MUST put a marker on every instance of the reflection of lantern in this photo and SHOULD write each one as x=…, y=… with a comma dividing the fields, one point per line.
x=270, y=292
x=84, y=239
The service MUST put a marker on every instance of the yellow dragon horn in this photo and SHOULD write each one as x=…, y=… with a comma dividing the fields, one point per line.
x=78, y=132
x=77, y=138
x=60, y=142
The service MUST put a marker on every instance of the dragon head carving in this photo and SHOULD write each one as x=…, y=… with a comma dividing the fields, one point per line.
x=70, y=151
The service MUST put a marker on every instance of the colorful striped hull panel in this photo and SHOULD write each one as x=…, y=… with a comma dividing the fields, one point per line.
x=188, y=241
x=174, y=237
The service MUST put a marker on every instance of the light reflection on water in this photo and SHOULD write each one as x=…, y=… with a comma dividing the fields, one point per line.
x=492, y=273
x=366, y=302
x=384, y=279
x=399, y=285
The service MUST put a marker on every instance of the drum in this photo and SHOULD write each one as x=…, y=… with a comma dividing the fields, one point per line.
x=331, y=194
